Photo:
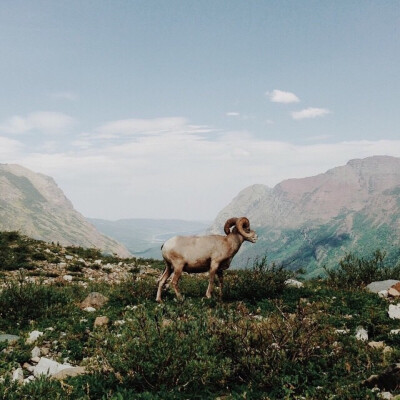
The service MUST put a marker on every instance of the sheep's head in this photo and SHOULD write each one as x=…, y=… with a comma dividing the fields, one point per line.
x=242, y=226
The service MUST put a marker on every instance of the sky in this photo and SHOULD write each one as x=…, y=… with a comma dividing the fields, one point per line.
x=167, y=109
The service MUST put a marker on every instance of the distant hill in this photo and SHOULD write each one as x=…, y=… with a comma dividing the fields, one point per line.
x=33, y=204
x=144, y=237
x=311, y=222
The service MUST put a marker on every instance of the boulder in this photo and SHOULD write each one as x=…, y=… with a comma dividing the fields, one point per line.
x=361, y=334
x=10, y=338
x=394, y=311
x=35, y=352
x=377, y=345
x=293, y=283
x=392, y=292
x=94, y=299
x=33, y=336
x=52, y=368
x=18, y=375
x=101, y=321
x=376, y=287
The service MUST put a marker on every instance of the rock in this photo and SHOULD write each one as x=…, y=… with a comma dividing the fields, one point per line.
x=94, y=299
x=377, y=345
x=69, y=372
x=361, y=334
x=98, y=262
x=28, y=367
x=387, y=380
x=10, y=338
x=35, y=352
x=385, y=395
x=35, y=360
x=383, y=293
x=396, y=286
x=394, y=311
x=48, y=251
x=69, y=257
x=101, y=321
x=293, y=283
x=44, y=350
x=68, y=278
x=33, y=336
x=341, y=331
x=376, y=287
x=392, y=292
x=49, y=367
x=89, y=309
x=18, y=375
x=395, y=331
x=62, y=264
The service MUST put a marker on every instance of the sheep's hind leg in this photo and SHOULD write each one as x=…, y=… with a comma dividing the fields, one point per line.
x=175, y=280
x=162, y=280
x=213, y=271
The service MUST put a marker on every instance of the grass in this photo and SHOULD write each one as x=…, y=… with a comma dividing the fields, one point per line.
x=263, y=341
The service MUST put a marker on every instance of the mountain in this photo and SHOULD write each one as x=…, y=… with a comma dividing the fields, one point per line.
x=33, y=204
x=311, y=222
x=144, y=237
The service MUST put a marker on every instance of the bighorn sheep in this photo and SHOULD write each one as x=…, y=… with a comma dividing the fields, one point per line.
x=212, y=253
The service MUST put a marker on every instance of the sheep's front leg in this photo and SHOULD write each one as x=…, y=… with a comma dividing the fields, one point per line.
x=213, y=271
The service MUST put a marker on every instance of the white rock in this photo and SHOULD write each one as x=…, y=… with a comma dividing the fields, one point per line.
x=293, y=283
x=342, y=331
x=89, y=309
x=35, y=359
x=361, y=334
x=18, y=375
x=33, y=336
x=67, y=278
x=98, y=262
x=383, y=293
x=62, y=264
x=394, y=311
x=29, y=379
x=49, y=367
x=385, y=395
x=35, y=352
x=48, y=251
x=69, y=257
x=395, y=331
x=376, y=287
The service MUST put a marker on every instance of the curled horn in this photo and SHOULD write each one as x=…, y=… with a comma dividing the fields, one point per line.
x=243, y=226
x=228, y=225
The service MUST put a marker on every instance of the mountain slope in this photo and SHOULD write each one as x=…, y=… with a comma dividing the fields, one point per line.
x=144, y=237
x=33, y=204
x=313, y=221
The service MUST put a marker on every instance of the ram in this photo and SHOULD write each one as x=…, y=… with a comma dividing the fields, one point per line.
x=195, y=254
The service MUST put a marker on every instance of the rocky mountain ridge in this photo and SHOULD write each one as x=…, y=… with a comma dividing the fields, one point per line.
x=301, y=221
x=33, y=204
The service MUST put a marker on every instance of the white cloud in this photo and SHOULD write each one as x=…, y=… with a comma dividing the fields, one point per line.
x=183, y=173
x=10, y=149
x=232, y=114
x=47, y=122
x=279, y=96
x=310, y=112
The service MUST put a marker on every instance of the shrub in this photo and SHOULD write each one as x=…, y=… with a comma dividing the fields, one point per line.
x=21, y=302
x=260, y=281
x=356, y=272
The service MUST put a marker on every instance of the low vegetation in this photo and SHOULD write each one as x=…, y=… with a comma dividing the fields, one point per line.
x=265, y=340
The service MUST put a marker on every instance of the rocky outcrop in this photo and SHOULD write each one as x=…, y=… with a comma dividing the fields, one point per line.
x=33, y=204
